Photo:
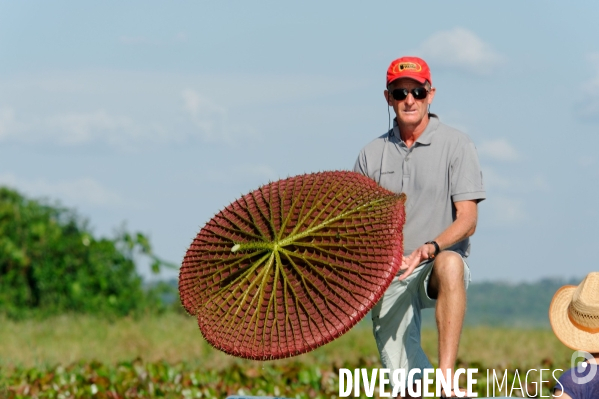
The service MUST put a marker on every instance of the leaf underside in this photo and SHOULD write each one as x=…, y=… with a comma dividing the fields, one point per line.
x=293, y=265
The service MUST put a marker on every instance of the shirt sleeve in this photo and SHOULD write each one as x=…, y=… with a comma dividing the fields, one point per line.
x=567, y=385
x=466, y=175
x=360, y=165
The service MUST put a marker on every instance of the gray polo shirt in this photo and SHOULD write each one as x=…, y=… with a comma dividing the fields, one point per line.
x=439, y=169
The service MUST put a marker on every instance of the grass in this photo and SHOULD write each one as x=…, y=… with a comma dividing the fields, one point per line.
x=176, y=338
x=166, y=356
x=170, y=337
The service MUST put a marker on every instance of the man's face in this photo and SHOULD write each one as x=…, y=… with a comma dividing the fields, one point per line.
x=410, y=111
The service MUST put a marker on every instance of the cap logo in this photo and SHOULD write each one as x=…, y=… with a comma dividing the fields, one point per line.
x=408, y=66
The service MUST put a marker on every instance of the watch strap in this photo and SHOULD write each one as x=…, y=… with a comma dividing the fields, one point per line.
x=437, y=249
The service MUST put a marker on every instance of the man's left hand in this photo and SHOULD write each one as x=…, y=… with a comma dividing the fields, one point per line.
x=409, y=263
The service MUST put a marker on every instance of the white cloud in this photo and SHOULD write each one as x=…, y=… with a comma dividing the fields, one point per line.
x=210, y=124
x=461, y=49
x=100, y=126
x=498, y=150
x=506, y=211
x=77, y=128
x=208, y=117
x=211, y=119
x=73, y=129
x=133, y=111
x=83, y=191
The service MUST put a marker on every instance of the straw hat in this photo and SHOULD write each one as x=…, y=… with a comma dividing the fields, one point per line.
x=574, y=314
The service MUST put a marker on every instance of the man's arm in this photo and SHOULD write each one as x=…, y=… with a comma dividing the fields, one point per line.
x=462, y=227
x=360, y=165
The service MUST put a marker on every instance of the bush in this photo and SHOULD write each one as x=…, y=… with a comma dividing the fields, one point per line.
x=51, y=263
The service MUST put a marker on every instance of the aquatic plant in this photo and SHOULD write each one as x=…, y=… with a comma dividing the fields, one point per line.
x=293, y=264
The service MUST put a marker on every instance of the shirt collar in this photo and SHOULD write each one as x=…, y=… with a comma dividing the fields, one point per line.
x=426, y=136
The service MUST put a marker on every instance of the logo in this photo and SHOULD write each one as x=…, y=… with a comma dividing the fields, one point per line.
x=408, y=66
x=582, y=372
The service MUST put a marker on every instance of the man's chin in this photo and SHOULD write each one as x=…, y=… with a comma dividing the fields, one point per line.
x=410, y=122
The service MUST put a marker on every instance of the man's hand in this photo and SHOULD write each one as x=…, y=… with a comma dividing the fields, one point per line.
x=408, y=264
x=463, y=226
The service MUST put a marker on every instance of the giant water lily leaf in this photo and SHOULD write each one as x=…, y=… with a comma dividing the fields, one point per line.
x=294, y=264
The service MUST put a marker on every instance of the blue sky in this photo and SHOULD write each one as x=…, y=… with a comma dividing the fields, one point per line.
x=160, y=114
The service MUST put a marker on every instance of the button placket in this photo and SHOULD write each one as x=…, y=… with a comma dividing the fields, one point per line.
x=406, y=169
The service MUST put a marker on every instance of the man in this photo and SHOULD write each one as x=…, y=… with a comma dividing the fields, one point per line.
x=437, y=168
x=574, y=317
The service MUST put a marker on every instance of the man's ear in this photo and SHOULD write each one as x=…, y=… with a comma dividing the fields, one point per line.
x=387, y=94
x=431, y=96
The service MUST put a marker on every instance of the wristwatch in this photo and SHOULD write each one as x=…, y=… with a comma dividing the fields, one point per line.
x=437, y=249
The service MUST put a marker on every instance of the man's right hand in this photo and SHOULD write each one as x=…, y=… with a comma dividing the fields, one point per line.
x=409, y=263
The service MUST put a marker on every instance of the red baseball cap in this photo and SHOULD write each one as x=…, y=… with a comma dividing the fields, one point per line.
x=409, y=67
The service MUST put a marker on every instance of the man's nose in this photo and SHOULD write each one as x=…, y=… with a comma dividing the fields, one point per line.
x=410, y=99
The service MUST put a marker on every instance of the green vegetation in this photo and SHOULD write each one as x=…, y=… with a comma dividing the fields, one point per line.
x=165, y=356
x=51, y=263
x=294, y=379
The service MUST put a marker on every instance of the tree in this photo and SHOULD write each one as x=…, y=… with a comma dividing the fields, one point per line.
x=50, y=262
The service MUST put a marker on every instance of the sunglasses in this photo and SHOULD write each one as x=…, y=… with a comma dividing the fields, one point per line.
x=419, y=93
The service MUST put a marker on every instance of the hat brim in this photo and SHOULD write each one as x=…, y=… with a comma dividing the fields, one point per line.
x=406, y=75
x=565, y=331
